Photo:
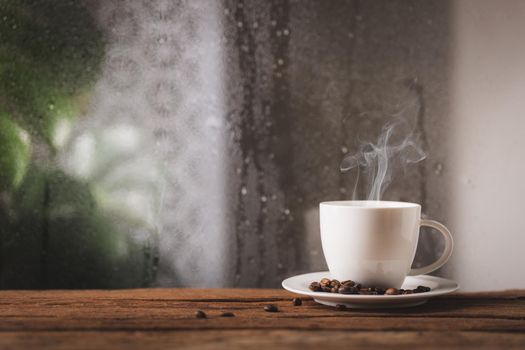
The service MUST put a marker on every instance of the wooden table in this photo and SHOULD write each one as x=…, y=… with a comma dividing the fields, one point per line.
x=165, y=319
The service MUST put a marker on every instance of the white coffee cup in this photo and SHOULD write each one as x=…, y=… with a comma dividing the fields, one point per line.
x=374, y=242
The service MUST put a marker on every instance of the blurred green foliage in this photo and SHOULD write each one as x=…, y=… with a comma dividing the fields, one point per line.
x=54, y=232
x=14, y=153
x=50, y=50
x=83, y=248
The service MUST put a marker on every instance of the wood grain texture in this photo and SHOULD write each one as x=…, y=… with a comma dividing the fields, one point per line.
x=160, y=318
x=260, y=339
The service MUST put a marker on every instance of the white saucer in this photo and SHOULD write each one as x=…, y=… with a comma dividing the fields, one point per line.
x=439, y=286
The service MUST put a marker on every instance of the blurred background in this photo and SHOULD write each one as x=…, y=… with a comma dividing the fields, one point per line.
x=188, y=143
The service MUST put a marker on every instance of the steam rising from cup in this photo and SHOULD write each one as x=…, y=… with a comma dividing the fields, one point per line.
x=396, y=147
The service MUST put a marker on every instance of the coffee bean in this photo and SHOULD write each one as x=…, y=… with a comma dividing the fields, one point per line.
x=335, y=283
x=325, y=282
x=297, y=301
x=344, y=290
x=408, y=291
x=315, y=287
x=421, y=289
x=340, y=307
x=271, y=308
x=348, y=283
x=358, y=285
x=348, y=290
x=227, y=314
x=200, y=314
x=367, y=291
x=334, y=290
x=391, y=291
x=326, y=289
x=380, y=291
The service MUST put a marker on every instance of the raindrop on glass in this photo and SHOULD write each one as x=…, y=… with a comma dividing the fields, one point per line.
x=438, y=168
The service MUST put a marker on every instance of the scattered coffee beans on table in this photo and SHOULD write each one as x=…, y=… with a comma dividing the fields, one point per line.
x=350, y=287
x=297, y=301
x=227, y=314
x=271, y=308
x=200, y=314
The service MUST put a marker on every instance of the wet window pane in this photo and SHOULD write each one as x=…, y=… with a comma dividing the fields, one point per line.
x=188, y=143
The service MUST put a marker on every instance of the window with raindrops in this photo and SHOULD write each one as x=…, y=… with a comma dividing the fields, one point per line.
x=189, y=142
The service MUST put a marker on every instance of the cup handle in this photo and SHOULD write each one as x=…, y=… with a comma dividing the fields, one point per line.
x=449, y=245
